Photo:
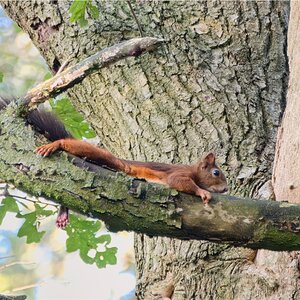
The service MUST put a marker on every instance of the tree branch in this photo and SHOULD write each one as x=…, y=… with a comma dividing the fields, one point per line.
x=7, y=297
x=125, y=203
x=75, y=74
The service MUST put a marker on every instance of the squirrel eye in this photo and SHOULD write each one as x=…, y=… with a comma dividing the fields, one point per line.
x=216, y=172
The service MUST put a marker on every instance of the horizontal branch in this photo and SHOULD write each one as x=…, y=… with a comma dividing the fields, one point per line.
x=125, y=203
x=75, y=74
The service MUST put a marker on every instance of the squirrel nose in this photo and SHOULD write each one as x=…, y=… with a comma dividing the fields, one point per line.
x=225, y=190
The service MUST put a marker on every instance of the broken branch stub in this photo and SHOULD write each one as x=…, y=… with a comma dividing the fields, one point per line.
x=75, y=74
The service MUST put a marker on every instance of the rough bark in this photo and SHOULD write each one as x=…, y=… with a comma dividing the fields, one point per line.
x=218, y=84
x=286, y=176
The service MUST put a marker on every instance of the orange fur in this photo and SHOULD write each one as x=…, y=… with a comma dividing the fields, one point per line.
x=199, y=179
x=147, y=173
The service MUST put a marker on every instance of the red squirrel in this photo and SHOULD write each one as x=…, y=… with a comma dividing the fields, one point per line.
x=198, y=179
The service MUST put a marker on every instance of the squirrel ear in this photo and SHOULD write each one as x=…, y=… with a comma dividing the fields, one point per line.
x=209, y=158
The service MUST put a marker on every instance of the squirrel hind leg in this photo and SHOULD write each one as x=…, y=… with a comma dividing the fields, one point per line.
x=62, y=219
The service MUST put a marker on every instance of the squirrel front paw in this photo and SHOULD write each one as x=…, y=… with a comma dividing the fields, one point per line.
x=46, y=150
x=205, y=195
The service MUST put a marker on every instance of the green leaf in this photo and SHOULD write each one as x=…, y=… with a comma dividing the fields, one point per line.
x=8, y=204
x=107, y=257
x=83, y=236
x=41, y=211
x=77, y=10
x=83, y=253
x=93, y=10
x=1, y=77
x=29, y=228
x=78, y=7
x=73, y=121
x=83, y=22
x=73, y=243
x=105, y=238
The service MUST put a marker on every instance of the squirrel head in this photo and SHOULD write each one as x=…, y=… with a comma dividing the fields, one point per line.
x=209, y=176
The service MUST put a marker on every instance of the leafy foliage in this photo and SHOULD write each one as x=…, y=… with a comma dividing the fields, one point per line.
x=78, y=11
x=1, y=76
x=8, y=205
x=82, y=233
x=82, y=236
x=74, y=122
x=32, y=219
x=31, y=225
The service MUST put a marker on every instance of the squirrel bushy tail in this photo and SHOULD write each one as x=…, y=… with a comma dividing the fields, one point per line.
x=48, y=124
x=43, y=121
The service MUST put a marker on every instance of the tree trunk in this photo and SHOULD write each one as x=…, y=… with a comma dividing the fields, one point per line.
x=286, y=172
x=218, y=84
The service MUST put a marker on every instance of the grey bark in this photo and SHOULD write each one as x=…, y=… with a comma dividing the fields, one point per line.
x=219, y=84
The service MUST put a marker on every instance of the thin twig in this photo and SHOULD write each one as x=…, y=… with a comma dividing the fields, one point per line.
x=63, y=66
x=135, y=17
x=16, y=263
x=25, y=287
x=33, y=201
x=5, y=257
